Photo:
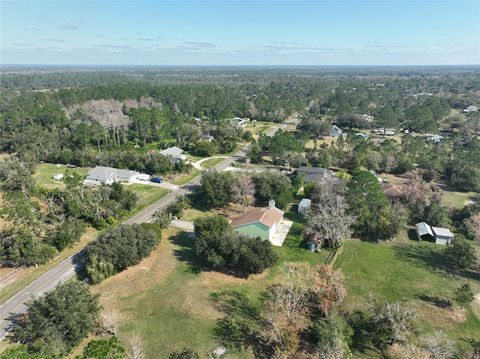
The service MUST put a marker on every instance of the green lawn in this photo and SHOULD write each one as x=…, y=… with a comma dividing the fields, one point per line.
x=45, y=171
x=166, y=299
x=211, y=162
x=458, y=199
x=413, y=271
x=187, y=177
x=147, y=195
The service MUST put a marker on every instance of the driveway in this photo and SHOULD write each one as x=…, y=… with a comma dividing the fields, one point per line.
x=185, y=225
x=198, y=164
x=164, y=184
x=282, y=231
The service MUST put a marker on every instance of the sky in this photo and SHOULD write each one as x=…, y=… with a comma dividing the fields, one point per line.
x=101, y=32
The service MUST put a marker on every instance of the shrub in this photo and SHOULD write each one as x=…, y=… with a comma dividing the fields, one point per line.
x=118, y=249
x=460, y=254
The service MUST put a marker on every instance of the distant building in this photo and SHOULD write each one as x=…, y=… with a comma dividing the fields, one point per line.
x=439, y=235
x=259, y=222
x=435, y=138
x=109, y=175
x=312, y=174
x=175, y=153
x=363, y=135
x=58, y=176
x=304, y=205
x=336, y=131
x=368, y=118
x=241, y=121
x=471, y=108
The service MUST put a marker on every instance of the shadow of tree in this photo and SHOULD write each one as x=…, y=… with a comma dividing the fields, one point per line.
x=362, y=327
x=239, y=328
x=186, y=251
x=432, y=260
x=436, y=301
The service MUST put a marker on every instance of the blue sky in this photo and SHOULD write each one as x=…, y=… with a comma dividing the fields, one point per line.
x=97, y=32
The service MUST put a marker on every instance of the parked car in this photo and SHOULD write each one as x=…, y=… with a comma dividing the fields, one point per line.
x=156, y=180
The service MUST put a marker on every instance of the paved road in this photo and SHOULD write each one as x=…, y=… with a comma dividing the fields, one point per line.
x=66, y=269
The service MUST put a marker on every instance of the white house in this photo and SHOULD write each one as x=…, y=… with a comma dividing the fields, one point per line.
x=109, y=175
x=175, y=153
x=438, y=235
x=304, y=205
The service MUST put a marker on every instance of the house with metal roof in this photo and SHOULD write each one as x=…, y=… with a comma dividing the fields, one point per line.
x=109, y=175
x=259, y=222
x=436, y=234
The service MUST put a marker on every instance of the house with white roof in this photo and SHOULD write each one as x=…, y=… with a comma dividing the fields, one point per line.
x=175, y=153
x=109, y=175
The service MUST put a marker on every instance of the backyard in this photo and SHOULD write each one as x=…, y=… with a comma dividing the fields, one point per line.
x=408, y=270
x=169, y=293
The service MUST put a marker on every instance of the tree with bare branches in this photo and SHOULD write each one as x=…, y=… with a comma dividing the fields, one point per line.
x=243, y=190
x=473, y=226
x=108, y=321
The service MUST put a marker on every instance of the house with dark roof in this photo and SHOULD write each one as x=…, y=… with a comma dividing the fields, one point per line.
x=312, y=174
x=259, y=222
x=436, y=234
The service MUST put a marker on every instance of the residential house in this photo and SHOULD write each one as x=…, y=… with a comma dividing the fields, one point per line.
x=336, y=131
x=109, y=175
x=259, y=222
x=312, y=174
x=304, y=205
x=175, y=153
x=437, y=234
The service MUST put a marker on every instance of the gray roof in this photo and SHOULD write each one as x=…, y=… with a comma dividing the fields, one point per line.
x=424, y=228
x=103, y=174
x=172, y=151
x=335, y=131
x=442, y=232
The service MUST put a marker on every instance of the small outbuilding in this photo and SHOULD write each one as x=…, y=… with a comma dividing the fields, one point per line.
x=436, y=234
x=313, y=242
x=336, y=131
x=304, y=205
x=58, y=176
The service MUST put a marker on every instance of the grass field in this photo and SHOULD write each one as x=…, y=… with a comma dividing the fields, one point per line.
x=45, y=171
x=211, y=162
x=408, y=270
x=166, y=299
x=147, y=195
x=458, y=199
x=186, y=177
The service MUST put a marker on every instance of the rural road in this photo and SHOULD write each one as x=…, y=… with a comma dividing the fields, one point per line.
x=66, y=269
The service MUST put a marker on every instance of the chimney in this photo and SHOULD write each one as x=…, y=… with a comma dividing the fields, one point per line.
x=271, y=203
